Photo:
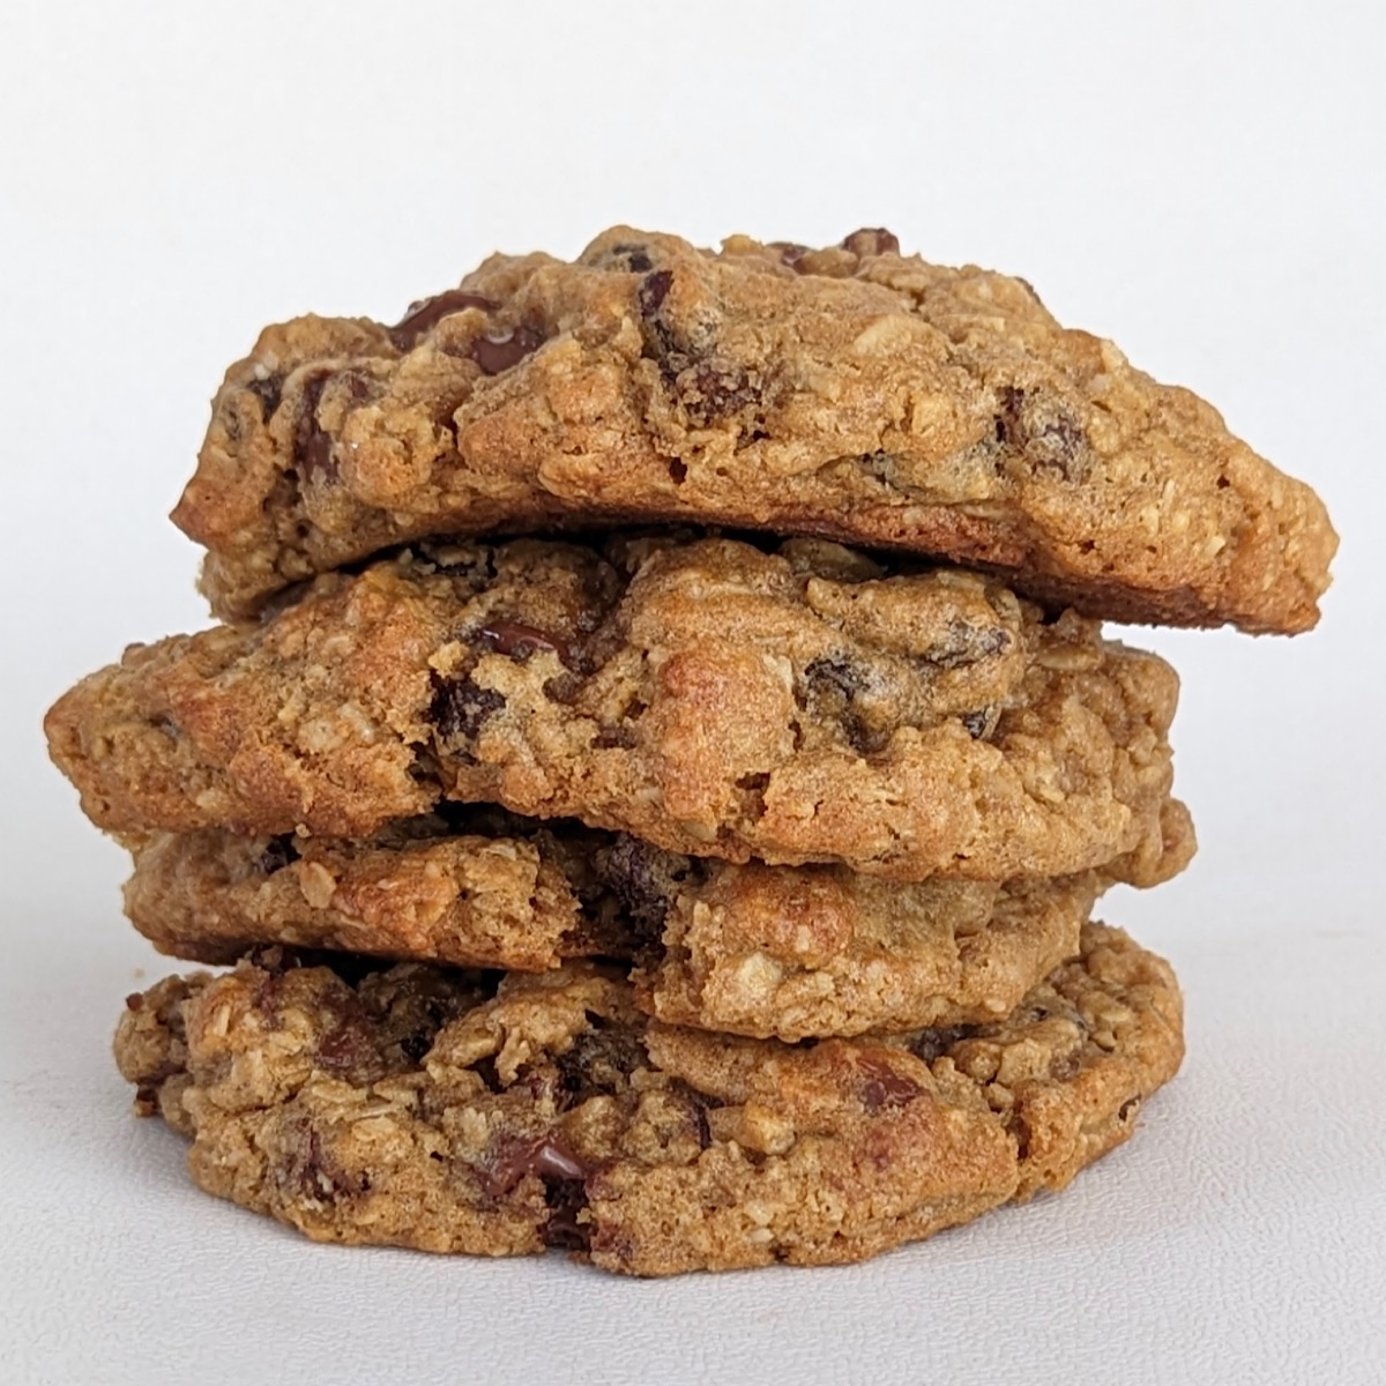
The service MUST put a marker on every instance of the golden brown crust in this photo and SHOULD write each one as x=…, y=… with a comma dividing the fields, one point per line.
x=408, y=1108
x=852, y=393
x=706, y=696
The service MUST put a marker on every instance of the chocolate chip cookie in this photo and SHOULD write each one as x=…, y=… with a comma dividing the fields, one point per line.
x=852, y=392
x=752, y=949
x=803, y=704
x=428, y=1108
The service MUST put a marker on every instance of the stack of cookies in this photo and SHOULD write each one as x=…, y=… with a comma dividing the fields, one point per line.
x=661, y=755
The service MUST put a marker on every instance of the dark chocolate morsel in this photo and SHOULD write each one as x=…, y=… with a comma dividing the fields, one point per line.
x=428, y=312
x=871, y=240
x=497, y=354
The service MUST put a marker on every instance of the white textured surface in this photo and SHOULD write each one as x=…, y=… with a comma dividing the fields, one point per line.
x=1203, y=182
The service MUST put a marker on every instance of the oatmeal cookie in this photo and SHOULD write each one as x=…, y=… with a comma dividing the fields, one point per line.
x=799, y=705
x=427, y=1108
x=852, y=392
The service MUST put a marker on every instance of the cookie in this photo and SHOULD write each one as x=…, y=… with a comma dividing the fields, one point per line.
x=852, y=393
x=819, y=951
x=493, y=893
x=800, y=705
x=752, y=949
x=415, y=1107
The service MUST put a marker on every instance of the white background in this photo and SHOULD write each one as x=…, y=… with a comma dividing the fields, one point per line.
x=1202, y=182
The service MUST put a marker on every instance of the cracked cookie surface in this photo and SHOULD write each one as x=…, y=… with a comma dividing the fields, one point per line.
x=747, y=949
x=850, y=392
x=421, y=1107
x=799, y=705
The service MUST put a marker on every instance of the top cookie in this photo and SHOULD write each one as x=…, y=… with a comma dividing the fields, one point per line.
x=851, y=392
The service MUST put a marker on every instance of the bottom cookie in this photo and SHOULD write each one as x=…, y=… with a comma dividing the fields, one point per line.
x=425, y=1107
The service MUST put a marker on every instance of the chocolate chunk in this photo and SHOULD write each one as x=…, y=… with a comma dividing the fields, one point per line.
x=884, y=1087
x=1042, y=430
x=871, y=240
x=268, y=392
x=713, y=389
x=428, y=312
x=654, y=289
x=135, y=1001
x=508, y=1163
x=279, y=852
x=347, y=1047
x=320, y=1178
x=635, y=258
x=599, y=1061
x=1020, y=1129
x=460, y=706
x=317, y=458
x=358, y=386
x=697, y=1104
x=933, y=1044
x=1127, y=1108
x=497, y=354
x=790, y=252
x=518, y=641
x=514, y=1157
x=645, y=881
x=312, y=447
x=563, y=1229
x=553, y=1160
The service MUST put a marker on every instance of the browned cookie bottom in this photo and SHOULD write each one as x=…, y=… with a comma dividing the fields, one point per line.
x=422, y=1107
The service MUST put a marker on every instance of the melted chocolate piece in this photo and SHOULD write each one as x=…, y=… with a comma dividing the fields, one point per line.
x=321, y=1179
x=267, y=391
x=497, y=354
x=871, y=240
x=563, y=1229
x=460, y=706
x=347, y=1047
x=645, y=881
x=312, y=447
x=429, y=312
x=654, y=288
x=547, y=1156
x=884, y=1087
x=712, y=390
x=518, y=641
